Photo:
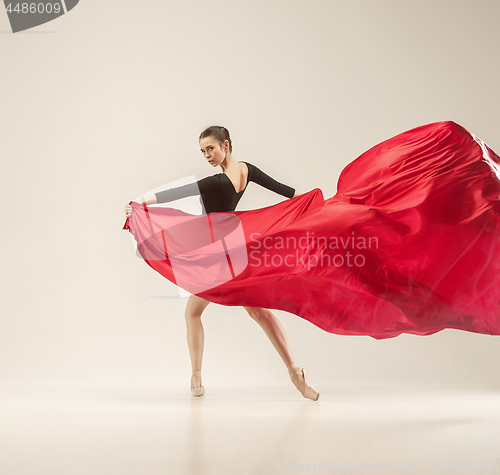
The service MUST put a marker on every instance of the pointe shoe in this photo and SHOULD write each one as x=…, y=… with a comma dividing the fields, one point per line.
x=197, y=391
x=298, y=377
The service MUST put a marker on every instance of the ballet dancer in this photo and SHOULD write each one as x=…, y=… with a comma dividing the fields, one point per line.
x=221, y=193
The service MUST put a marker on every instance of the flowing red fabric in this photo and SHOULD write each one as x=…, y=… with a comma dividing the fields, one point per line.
x=409, y=244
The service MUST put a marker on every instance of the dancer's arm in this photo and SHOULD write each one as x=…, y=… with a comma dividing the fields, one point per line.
x=148, y=200
x=258, y=176
x=180, y=192
x=210, y=184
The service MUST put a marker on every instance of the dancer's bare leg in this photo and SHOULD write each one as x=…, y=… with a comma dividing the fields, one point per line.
x=195, y=334
x=275, y=332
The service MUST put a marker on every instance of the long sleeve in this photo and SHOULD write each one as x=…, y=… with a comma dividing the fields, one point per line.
x=258, y=176
x=204, y=186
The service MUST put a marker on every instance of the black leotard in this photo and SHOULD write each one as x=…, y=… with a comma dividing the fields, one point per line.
x=217, y=192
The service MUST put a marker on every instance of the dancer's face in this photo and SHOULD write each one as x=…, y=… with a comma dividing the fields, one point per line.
x=212, y=151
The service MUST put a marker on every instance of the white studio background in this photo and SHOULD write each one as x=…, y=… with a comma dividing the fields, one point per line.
x=108, y=102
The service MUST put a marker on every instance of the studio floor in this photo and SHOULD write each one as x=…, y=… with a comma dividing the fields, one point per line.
x=248, y=430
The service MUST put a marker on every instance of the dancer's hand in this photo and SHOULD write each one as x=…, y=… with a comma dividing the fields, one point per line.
x=148, y=200
x=128, y=211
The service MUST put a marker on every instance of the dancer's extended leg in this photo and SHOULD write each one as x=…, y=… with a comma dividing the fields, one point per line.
x=276, y=333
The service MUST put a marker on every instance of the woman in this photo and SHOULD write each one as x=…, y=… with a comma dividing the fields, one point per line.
x=221, y=193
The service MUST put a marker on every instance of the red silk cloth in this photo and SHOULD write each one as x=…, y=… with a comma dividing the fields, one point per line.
x=410, y=243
